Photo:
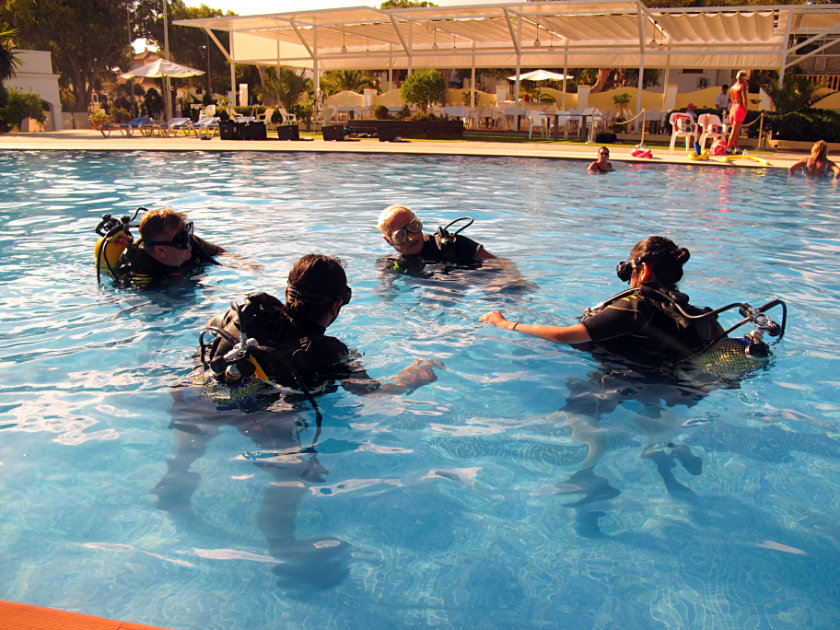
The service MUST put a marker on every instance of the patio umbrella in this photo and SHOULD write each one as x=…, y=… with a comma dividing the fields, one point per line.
x=541, y=75
x=162, y=68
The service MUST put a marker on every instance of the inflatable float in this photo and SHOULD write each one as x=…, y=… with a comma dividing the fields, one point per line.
x=641, y=152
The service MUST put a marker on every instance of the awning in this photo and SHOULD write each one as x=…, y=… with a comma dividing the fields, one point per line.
x=573, y=34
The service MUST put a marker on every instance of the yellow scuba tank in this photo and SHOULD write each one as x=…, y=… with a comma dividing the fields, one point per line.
x=114, y=245
x=114, y=237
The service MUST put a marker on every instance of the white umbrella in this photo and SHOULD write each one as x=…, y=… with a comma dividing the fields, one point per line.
x=541, y=75
x=162, y=68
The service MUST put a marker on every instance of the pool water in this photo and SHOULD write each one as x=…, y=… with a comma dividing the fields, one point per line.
x=461, y=505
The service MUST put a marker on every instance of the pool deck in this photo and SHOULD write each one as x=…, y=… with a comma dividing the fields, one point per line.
x=15, y=616
x=89, y=140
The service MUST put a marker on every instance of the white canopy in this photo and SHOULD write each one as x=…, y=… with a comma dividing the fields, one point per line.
x=162, y=68
x=570, y=34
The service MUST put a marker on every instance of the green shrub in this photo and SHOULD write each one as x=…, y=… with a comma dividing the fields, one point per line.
x=423, y=88
x=19, y=105
x=380, y=112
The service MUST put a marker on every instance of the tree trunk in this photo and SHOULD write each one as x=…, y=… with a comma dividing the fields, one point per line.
x=603, y=75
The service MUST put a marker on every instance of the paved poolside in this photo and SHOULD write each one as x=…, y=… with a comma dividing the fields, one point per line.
x=89, y=140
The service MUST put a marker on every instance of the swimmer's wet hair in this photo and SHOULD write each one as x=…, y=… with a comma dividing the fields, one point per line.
x=665, y=259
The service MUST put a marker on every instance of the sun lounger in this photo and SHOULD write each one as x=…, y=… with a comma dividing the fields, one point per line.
x=176, y=126
x=128, y=128
x=206, y=127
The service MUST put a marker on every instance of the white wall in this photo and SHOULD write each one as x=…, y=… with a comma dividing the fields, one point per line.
x=35, y=75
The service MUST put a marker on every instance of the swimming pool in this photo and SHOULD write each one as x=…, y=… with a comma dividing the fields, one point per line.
x=442, y=508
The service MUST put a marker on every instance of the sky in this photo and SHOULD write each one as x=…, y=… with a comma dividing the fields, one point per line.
x=257, y=7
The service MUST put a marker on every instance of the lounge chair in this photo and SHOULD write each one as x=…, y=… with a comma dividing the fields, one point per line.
x=128, y=128
x=174, y=126
x=206, y=127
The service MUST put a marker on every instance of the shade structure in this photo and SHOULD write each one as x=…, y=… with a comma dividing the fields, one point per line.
x=162, y=68
x=540, y=75
x=568, y=34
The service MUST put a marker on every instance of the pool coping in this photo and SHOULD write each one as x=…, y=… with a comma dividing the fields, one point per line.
x=14, y=616
x=90, y=140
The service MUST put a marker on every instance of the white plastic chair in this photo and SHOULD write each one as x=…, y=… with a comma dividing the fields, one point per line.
x=472, y=119
x=537, y=119
x=683, y=126
x=712, y=128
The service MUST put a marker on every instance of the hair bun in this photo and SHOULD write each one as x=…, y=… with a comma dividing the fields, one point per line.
x=682, y=255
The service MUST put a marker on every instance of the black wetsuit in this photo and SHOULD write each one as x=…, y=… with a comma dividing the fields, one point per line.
x=137, y=267
x=292, y=351
x=645, y=327
x=457, y=251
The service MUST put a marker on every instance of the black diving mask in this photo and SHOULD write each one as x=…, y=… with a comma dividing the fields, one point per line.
x=181, y=240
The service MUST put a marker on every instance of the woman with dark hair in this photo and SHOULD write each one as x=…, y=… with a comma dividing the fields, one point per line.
x=639, y=337
x=646, y=324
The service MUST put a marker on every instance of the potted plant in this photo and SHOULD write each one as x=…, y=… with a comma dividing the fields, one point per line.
x=98, y=118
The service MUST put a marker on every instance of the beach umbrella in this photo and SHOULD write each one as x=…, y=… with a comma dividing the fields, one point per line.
x=162, y=68
x=541, y=75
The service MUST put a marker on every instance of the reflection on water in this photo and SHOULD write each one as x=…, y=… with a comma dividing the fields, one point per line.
x=521, y=488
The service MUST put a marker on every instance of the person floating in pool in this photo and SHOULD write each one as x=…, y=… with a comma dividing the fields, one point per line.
x=737, y=109
x=167, y=247
x=640, y=336
x=818, y=164
x=258, y=387
x=427, y=256
x=602, y=164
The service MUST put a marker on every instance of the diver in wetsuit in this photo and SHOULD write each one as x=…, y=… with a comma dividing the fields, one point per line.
x=639, y=335
x=290, y=346
x=403, y=231
x=273, y=343
x=438, y=255
x=168, y=247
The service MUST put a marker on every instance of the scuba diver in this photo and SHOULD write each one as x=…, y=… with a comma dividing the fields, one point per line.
x=403, y=231
x=167, y=247
x=264, y=360
x=653, y=347
x=427, y=256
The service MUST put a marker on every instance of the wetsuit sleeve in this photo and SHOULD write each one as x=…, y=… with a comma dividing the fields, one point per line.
x=466, y=250
x=623, y=317
x=203, y=251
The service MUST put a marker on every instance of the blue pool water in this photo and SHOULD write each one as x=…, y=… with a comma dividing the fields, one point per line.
x=445, y=508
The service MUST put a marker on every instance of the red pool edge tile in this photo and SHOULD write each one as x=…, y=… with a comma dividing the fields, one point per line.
x=14, y=616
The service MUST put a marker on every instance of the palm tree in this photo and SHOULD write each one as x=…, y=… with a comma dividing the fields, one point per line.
x=8, y=60
x=338, y=80
x=288, y=87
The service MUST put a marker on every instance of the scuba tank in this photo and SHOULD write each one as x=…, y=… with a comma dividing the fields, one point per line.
x=114, y=236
